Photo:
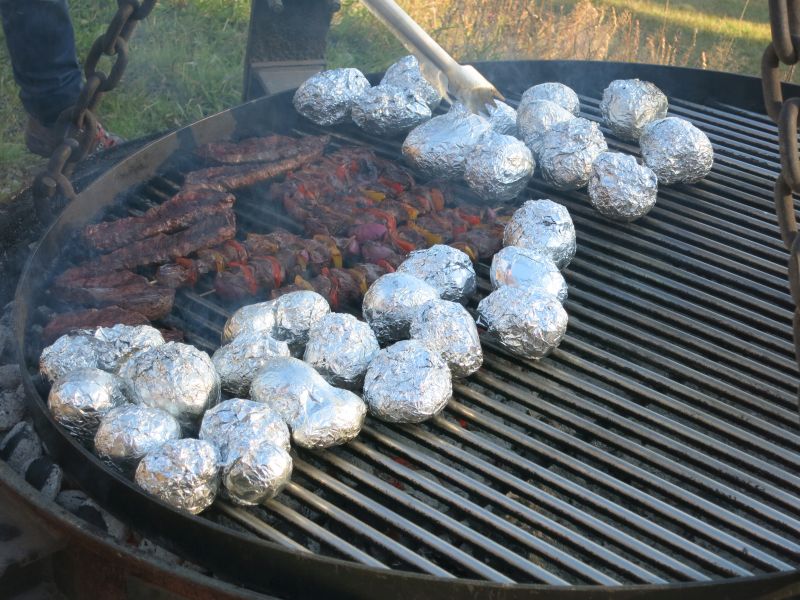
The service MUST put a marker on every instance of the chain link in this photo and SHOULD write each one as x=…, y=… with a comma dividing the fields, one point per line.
x=78, y=122
x=785, y=48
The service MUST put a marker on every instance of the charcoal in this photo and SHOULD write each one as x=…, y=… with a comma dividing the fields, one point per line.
x=45, y=475
x=10, y=377
x=12, y=408
x=79, y=504
x=20, y=446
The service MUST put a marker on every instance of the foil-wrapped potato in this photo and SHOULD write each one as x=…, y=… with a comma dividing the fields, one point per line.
x=448, y=329
x=502, y=118
x=392, y=301
x=125, y=340
x=318, y=414
x=527, y=269
x=182, y=473
x=447, y=269
x=535, y=118
x=544, y=227
x=237, y=362
x=555, y=92
x=80, y=399
x=406, y=74
x=254, y=471
x=388, y=110
x=499, y=167
x=676, y=151
x=253, y=317
x=407, y=383
x=630, y=104
x=340, y=348
x=567, y=152
x=177, y=378
x=620, y=188
x=295, y=314
x=328, y=97
x=527, y=323
x=70, y=352
x=128, y=432
x=221, y=424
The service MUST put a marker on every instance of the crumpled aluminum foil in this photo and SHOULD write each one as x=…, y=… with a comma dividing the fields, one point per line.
x=567, y=152
x=130, y=431
x=676, y=151
x=447, y=269
x=526, y=323
x=79, y=400
x=295, y=314
x=546, y=228
x=406, y=74
x=223, y=423
x=620, y=188
x=238, y=362
x=254, y=471
x=175, y=377
x=253, y=317
x=535, y=118
x=327, y=97
x=319, y=415
x=555, y=92
x=392, y=301
x=630, y=104
x=182, y=473
x=448, y=329
x=528, y=269
x=502, y=118
x=70, y=352
x=439, y=147
x=499, y=167
x=407, y=383
x=340, y=348
x=124, y=340
x=387, y=110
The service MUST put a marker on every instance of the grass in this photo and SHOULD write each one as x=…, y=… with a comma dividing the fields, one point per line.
x=186, y=58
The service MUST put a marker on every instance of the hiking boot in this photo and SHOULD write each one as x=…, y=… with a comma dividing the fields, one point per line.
x=43, y=140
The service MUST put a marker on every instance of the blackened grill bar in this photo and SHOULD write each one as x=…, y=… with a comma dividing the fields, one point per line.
x=658, y=444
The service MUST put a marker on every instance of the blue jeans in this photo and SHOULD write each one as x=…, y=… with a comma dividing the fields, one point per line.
x=41, y=44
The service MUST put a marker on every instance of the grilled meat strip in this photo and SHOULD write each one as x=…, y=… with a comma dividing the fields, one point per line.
x=259, y=149
x=90, y=319
x=231, y=177
x=182, y=210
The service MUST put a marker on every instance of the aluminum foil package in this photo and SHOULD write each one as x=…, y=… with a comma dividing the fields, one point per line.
x=392, y=301
x=555, y=92
x=328, y=97
x=535, y=118
x=502, y=118
x=80, y=399
x=445, y=268
x=128, y=432
x=407, y=383
x=238, y=362
x=406, y=74
x=295, y=313
x=620, y=188
x=182, y=473
x=676, y=151
x=544, y=227
x=630, y=104
x=387, y=110
x=567, y=152
x=527, y=269
x=254, y=471
x=499, y=167
x=526, y=323
x=439, y=147
x=253, y=317
x=71, y=352
x=340, y=348
x=125, y=340
x=448, y=329
x=318, y=414
x=177, y=378
x=227, y=420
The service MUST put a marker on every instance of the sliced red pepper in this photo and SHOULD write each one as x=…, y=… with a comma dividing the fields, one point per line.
x=188, y=264
x=239, y=248
x=385, y=264
x=396, y=187
x=277, y=270
x=471, y=219
x=437, y=198
x=249, y=276
x=333, y=296
x=388, y=218
x=403, y=245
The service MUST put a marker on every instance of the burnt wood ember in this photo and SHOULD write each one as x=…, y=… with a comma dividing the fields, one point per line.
x=182, y=210
x=90, y=319
x=231, y=177
x=270, y=148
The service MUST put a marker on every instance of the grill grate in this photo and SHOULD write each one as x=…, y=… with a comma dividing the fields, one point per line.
x=659, y=443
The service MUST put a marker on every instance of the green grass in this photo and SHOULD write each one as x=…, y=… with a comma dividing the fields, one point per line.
x=186, y=58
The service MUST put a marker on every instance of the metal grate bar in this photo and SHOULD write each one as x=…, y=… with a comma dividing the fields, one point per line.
x=255, y=524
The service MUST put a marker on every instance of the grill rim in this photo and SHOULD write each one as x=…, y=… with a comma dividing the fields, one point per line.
x=324, y=574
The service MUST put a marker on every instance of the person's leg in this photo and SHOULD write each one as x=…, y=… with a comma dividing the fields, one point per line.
x=41, y=44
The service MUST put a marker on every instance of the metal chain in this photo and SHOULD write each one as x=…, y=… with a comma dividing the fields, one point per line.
x=785, y=48
x=79, y=122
